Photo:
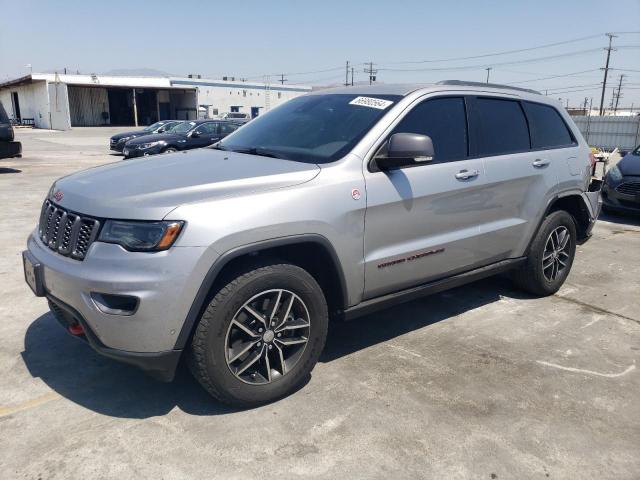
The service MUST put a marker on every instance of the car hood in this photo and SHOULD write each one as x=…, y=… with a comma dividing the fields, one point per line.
x=629, y=165
x=155, y=137
x=118, y=136
x=150, y=187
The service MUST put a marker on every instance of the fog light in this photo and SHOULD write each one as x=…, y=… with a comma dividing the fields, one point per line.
x=115, y=304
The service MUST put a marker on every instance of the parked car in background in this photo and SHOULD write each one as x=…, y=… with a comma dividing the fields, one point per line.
x=187, y=135
x=238, y=255
x=163, y=126
x=621, y=190
x=8, y=146
x=235, y=116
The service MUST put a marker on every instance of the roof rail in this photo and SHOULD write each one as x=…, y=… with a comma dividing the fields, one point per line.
x=464, y=83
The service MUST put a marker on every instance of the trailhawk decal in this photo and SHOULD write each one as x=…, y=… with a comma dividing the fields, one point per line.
x=371, y=102
x=410, y=258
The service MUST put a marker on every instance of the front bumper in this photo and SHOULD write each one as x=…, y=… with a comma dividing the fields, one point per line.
x=116, y=147
x=10, y=149
x=614, y=200
x=165, y=284
x=161, y=365
x=130, y=152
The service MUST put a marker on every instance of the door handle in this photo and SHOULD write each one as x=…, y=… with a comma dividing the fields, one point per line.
x=467, y=174
x=540, y=162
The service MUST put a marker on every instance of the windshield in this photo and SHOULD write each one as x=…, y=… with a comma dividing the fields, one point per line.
x=312, y=128
x=637, y=150
x=153, y=127
x=183, y=127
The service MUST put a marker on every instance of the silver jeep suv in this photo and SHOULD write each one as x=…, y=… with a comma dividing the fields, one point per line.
x=333, y=205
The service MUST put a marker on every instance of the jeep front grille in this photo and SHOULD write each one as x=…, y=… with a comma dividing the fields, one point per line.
x=629, y=188
x=66, y=233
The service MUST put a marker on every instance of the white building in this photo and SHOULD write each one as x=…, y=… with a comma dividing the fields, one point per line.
x=59, y=102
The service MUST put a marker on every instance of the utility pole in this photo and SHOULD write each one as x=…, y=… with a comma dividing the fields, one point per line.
x=346, y=75
x=619, y=94
x=606, y=71
x=352, y=69
x=282, y=79
x=488, y=69
x=586, y=102
x=372, y=73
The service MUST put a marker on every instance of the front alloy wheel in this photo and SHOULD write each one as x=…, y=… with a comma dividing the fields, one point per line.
x=260, y=335
x=267, y=336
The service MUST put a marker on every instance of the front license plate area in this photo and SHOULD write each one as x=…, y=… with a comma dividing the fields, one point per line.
x=33, y=274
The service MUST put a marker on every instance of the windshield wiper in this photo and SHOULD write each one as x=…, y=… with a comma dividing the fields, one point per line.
x=261, y=152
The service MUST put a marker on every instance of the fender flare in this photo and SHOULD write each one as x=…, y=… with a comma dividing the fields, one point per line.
x=209, y=279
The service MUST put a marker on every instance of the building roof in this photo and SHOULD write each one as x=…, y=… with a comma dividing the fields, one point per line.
x=144, y=82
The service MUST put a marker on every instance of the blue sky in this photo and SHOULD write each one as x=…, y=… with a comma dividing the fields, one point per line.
x=251, y=38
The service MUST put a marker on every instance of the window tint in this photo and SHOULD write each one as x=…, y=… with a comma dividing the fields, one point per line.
x=227, y=128
x=501, y=127
x=207, y=128
x=442, y=119
x=547, y=127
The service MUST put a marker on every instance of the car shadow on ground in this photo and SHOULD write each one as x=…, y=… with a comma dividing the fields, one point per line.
x=9, y=170
x=72, y=369
x=622, y=218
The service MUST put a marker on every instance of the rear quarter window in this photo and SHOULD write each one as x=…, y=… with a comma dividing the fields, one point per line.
x=501, y=127
x=548, y=129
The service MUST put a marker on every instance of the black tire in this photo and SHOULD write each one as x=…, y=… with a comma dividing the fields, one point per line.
x=531, y=276
x=169, y=150
x=207, y=357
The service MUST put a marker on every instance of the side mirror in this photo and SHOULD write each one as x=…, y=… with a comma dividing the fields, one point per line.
x=406, y=149
x=194, y=134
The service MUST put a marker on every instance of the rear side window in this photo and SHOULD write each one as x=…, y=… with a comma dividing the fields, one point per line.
x=442, y=119
x=548, y=130
x=501, y=127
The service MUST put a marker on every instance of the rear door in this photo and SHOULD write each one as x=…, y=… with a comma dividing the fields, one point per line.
x=422, y=221
x=519, y=178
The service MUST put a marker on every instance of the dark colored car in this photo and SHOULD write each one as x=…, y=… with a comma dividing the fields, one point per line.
x=8, y=147
x=621, y=190
x=117, y=141
x=187, y=135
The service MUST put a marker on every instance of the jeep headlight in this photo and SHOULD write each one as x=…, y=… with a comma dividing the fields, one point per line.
x=141, y=236
x=614, y=174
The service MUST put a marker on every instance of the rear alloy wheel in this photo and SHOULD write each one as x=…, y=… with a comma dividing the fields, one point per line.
x=261, y=334
x=550, y=256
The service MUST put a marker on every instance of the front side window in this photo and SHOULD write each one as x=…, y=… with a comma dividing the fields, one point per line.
x=207, y=128
x=312, y=128
x=184, y=127
x=442, y=119
x=548, y=130
x=153, y=127
x=501, y=127
x=226, y=128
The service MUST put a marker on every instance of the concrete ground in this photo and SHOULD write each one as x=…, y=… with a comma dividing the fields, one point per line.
x=479, y=382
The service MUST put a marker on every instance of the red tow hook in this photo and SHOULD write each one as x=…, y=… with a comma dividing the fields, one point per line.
x=76, y=329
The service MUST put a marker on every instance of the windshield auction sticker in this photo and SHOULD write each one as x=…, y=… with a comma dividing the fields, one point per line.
x=371, y=102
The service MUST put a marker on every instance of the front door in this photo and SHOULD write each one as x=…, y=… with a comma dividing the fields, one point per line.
x=422, y=221
x=205, y=135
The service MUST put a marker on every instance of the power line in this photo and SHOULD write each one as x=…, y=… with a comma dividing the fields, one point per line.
x=495, y=54
x=555, y=76
x=483, y=66
x=372, y=73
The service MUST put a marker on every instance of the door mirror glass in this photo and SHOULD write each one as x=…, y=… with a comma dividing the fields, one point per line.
x=404, y=149
x=194, y=134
